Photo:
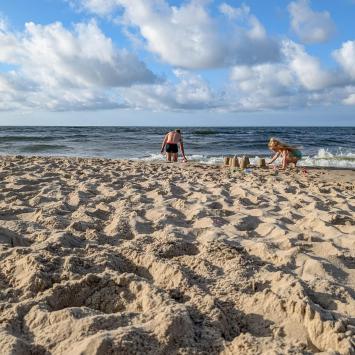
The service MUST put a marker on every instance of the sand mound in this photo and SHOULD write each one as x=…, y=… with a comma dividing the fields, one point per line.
x=119, y=257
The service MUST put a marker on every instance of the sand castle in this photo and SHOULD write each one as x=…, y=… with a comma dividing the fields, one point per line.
x=242, y=162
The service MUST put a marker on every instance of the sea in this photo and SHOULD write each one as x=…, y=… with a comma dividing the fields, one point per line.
x=320, y=146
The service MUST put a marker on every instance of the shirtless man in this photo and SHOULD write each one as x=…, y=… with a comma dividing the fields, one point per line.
x=170, y=143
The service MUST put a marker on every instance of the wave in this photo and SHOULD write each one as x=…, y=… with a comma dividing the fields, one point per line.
x=6, y=139
x=79, y=135
x=205, y=132
x=38, y=148
x=323, y=158
x=326, y=159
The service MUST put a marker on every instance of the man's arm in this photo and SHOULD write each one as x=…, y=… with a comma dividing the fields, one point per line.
x=182, y=149
x=164, y=143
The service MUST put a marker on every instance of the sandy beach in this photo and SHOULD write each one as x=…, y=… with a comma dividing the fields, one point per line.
x=104, y=257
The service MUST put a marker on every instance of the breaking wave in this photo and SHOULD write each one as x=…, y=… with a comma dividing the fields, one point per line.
x=324, y=158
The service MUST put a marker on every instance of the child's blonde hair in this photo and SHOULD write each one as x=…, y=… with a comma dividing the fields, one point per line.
x=276, y=143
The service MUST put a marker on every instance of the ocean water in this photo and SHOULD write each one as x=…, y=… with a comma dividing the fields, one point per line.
x=320, y=146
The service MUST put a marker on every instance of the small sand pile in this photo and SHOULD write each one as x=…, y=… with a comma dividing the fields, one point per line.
x=119, y=257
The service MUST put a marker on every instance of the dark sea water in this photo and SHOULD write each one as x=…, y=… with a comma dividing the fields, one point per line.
x=321, y=146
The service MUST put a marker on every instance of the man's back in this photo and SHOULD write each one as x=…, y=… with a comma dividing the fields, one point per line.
x=174, y=137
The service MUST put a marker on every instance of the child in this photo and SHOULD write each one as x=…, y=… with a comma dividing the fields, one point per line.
x=288, y=154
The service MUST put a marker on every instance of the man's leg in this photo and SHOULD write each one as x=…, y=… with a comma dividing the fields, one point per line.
x=168, y=156
x=175, y=157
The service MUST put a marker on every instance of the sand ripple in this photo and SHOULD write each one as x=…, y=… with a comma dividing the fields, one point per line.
x=119, y=257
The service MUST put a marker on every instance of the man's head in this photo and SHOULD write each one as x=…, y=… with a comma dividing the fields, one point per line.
x=178, y=130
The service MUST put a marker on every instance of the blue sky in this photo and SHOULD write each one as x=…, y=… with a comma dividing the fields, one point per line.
x=155, y=62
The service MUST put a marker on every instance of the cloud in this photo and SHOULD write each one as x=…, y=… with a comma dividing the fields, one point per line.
x=265, y=79
x=19, y=93
x=231, y=11
x=350, y=100
x=82, y=58
x=10, y=95
x=74, y=100
x=297, y=70
x=191, y=92
x=297, y=81
x=345, y=56
x=3, y=23
x=243, y=16
x=188, y=37
x=306, y=68
x=263, y=86
x=51, y=67
x=100, y=7
x=310, y=26
x=51, y=59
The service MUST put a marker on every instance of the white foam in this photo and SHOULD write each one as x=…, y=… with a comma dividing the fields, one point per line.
x=152, y=157
x=323, y=158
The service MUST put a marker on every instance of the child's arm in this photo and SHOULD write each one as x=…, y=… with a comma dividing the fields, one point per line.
x=274, y=157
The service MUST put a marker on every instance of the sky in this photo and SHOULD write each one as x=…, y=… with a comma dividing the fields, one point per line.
x=177, y=63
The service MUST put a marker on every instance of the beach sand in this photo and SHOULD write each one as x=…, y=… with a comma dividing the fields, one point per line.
x=121, y=257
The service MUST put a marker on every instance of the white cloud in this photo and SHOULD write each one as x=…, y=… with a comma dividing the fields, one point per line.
x=310, y=26
x=74, y=100
x=9, y=46
x=346, y=57
x=190, y=93
x=230, y=11
x=51, y=59
x=3, y=23
x=244, y=17
x=298, y=70
x=100, y=7
x=350, y=100
x=307, y=68
x=265, y=79
x=263, y=86
x=82, y=58
x=19, y=93
x=54, y=68
x=188, y=37
x=297, y=81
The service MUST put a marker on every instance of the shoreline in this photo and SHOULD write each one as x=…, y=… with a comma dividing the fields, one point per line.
x=123, y=256
x=190, y=162
x=319, y=146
